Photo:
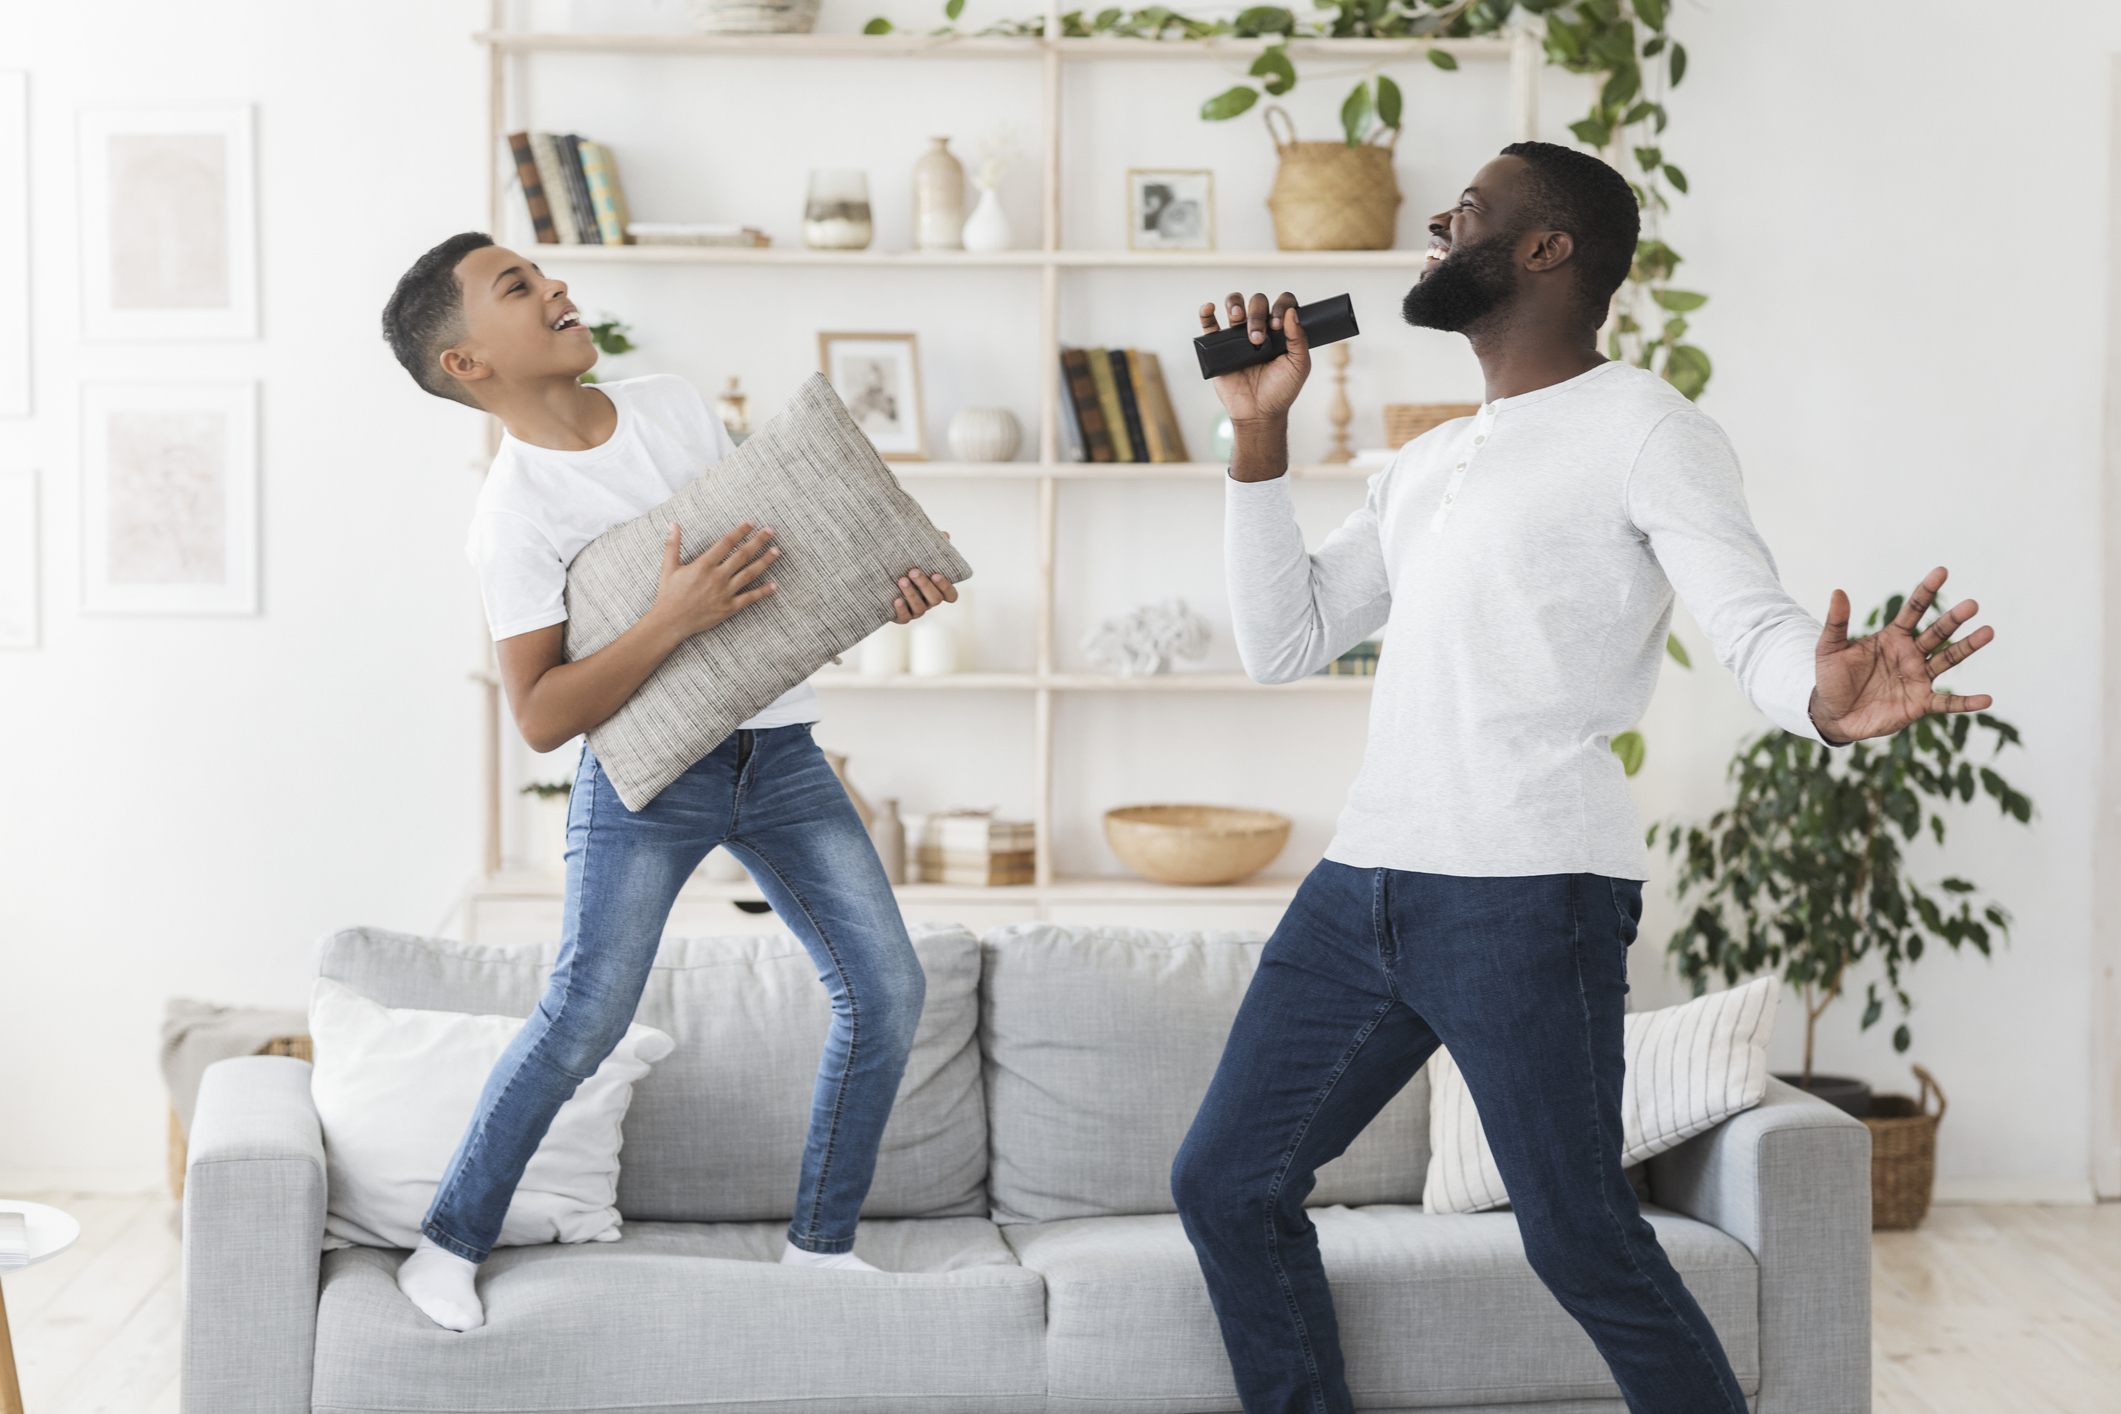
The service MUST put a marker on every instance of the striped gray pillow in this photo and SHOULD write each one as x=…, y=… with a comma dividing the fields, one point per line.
x=847, y=531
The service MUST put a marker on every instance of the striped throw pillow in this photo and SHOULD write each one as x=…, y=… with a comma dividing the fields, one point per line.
x=1690, y=1068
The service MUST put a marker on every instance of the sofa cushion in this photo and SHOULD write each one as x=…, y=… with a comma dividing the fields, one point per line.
x=676, y=1317
x=1434, y=1311
x=1099, y=1045
x=716, y=1130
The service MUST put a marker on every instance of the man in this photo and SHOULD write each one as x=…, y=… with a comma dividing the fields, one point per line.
x=1485, y=880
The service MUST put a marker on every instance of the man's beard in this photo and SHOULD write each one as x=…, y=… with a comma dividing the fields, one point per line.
x=1465, y=287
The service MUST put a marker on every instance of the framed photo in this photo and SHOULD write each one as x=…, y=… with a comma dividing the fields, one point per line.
x=18, y=559
x=878, y=377
x=1170, y=210
x=169, y=498
x=14, y=244
x=169, y=244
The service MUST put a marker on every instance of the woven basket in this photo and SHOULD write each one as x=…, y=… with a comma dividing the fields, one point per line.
x=1903, y=1155
x=1406, y=421
x=1330, y=196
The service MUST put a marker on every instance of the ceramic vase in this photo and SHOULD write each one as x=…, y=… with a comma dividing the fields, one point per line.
x=938, y=198
x=836, y=217
x=934, y=640
x=888, y=833
x=985, y=435
x=987, y=228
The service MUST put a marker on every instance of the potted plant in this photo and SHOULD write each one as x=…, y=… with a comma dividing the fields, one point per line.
x=1803, y=871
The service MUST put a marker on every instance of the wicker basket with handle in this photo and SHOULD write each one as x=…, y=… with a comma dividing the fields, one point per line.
x=1330, y=196
x=1903, y=1155
x=1406, y=421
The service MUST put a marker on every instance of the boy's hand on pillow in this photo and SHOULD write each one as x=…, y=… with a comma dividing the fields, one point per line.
x=719, y=581
x=918, y=593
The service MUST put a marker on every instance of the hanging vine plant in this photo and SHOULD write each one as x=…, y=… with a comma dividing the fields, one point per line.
x=1621, y=44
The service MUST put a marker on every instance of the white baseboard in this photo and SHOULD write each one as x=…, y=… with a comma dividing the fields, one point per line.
x=2013, y=1191
x=27, y=1182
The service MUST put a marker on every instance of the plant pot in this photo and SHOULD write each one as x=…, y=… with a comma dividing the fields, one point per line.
x=1843, y=1092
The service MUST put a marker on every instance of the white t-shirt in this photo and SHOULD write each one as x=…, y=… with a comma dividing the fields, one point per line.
x=539, y=507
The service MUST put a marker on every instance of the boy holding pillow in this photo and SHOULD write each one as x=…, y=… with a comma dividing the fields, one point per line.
x=479, y=324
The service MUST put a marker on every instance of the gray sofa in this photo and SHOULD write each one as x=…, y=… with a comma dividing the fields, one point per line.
x=1021, y=1212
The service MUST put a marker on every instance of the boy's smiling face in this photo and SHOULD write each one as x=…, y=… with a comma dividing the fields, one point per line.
x=523, y=327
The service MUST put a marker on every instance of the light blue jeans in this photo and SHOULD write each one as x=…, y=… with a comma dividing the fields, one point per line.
x=771, y=797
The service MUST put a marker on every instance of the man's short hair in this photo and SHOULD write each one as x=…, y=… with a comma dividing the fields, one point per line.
x=425, y=315
x=1568, y=190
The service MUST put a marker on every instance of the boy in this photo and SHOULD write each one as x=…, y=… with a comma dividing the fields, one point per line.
x=477, y=323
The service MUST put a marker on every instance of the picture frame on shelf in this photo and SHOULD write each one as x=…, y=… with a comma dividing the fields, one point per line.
x=878, y=377
x=169, y=245
x=1170, y=209
x=169, y=498
x=18, y=559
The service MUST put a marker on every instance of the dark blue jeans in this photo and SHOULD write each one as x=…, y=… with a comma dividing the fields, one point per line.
x=771, y=797
x=1525, y=979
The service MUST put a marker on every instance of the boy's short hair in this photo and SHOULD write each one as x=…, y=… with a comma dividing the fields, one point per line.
x=425, y=315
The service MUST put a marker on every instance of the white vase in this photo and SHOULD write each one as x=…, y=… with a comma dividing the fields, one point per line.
x=985, y=435
x=987, y=228
x=938, y=198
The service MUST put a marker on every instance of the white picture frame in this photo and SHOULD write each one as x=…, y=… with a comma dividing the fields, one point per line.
x=169, y=244
x=878, y=377
x=19, y=560
x=14, y=244
x=169, y=498
x=1170, y=209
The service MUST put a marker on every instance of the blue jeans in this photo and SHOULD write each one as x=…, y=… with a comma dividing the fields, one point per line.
x=770, y=796
x=1525, y=979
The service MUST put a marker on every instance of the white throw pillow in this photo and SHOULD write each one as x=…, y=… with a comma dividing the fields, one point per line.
x=1690, y=1068
x=395, y=1088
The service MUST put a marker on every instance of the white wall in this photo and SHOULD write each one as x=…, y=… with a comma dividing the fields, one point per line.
x=196, y=800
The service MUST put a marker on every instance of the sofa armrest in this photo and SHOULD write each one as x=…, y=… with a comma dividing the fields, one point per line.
x=1791, y=1179
x=253, y=1231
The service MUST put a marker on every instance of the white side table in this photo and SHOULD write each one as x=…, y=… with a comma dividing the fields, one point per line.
x=50, y=1233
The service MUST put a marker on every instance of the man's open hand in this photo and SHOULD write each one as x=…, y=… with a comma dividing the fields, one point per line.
x=1875, y=686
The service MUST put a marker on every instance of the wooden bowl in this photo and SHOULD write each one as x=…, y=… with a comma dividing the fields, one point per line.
x=1195, y=844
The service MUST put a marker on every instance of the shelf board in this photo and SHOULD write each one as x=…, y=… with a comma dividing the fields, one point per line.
x=1114, y=471
x=530, y=884
x=925, y=46
x=968, y=260
x=1081, y=682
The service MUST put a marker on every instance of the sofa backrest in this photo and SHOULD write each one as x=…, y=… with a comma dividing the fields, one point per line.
x=1099, y=1044
x=715, y=1132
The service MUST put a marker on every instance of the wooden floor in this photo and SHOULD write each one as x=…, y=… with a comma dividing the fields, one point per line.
x=1984, y=1310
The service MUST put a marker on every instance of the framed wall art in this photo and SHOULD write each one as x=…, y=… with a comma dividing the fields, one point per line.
x=18, y=559
x=169, y=246
x=878, y=377
x=1170, y=210
x=169, y=498
x=14, y=243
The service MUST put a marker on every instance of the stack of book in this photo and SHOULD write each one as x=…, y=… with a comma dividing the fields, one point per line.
x=571, y=186
x=966, y=847
x=14, y=1241
x=1358, y=662
x=1117, y=409
x=687, y=233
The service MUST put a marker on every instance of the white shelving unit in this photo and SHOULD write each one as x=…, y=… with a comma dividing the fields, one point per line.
x=1046, y=682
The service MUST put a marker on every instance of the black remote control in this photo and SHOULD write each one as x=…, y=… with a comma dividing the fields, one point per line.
x=1227, y=350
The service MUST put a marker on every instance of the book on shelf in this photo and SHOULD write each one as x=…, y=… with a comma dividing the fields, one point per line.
x=984, y=871
x=1089, y=411
x=1071, y=447
x=968, y=833
x=601, y=171
x=1157, y=413
x=533, y=185
x=1108, y=403
x=585, y=216
x=552, y=185
x=1358, y=662
x=692, y=233
x=1123, y=384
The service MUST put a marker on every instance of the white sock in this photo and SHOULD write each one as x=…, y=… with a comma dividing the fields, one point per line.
x=439, y=1282
x=794, y=1256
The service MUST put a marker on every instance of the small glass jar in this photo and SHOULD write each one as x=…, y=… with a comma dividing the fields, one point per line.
x=731, y=408
x=837, y=215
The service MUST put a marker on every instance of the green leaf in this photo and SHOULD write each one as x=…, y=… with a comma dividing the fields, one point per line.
x=1678, y=64
x=1676, y=177
x=1630, y=748
x=1106, y=19
x=1679, y=301
x=1389, y=102
x=1274, y=67
x=1673, y=646
x=953, y=8
x=1872, y=1010
x=1356, y=117
x=1653, y=48
x=1902, y=1038
x=1687, y=369
x=1443, y=59
x=1625, y=83
x=1263, y=19
x=1651, y=12
x=1591, y=133
x=1638, y=113
x=1649, y=158
x=1674, y=329
x=879, y=25
x=1229, y=103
